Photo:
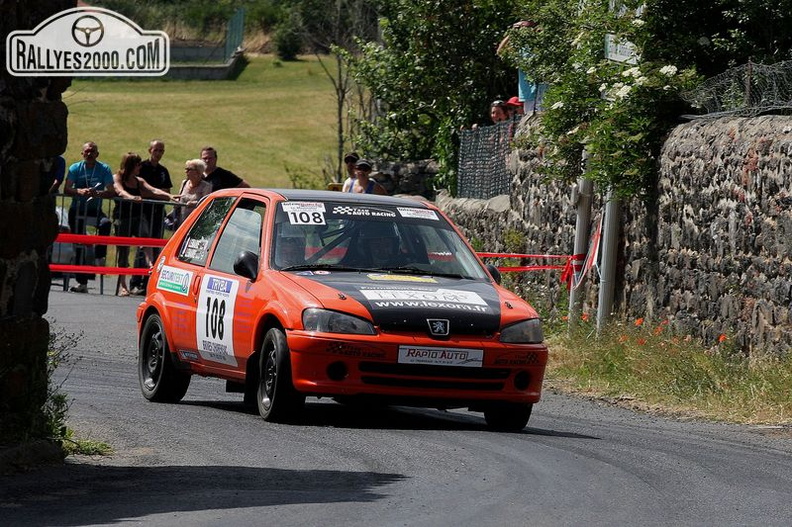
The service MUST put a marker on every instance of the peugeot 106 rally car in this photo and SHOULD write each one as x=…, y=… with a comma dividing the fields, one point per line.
x=287, y=294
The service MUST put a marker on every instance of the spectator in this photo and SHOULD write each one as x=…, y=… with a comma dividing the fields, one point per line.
x=193, y=188
x=216, y=176
x=349, y=160
x=88, y=181
x=515, y=106
x=56, y=173
x=531, y=92
x=127, y=214
x=498, y=112
x=155, y=174
x=363, y=184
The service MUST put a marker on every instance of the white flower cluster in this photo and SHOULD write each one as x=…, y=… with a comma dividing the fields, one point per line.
x=668, y=71
x=633, y=72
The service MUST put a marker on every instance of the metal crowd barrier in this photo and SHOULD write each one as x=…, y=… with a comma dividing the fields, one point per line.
x=90, y=232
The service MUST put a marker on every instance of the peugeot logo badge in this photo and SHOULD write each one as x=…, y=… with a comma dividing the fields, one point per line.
x=438, y=327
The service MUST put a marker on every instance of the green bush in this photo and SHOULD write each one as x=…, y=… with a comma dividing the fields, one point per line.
x=287, y=38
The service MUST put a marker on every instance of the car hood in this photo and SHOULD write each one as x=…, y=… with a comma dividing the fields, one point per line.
x=410, y=303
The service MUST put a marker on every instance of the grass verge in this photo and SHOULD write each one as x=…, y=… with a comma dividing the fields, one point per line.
x=57, y=405
x=649, y=368
x=276, y=118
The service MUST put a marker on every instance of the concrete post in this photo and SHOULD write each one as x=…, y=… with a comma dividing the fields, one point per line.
x=610, y=242
x=582, y=197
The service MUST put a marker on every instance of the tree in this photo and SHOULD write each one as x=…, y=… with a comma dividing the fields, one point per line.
x=434, y=70
x=621, y=111
x=337, y=27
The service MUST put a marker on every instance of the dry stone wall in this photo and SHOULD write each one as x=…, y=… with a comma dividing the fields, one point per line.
x=711, y=252
x=32, y=132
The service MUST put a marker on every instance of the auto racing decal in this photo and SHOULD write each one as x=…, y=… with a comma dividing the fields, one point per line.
x=469, y=306
x=214, y=323
x=351, y=210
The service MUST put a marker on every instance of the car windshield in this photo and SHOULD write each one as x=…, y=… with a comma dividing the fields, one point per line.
x=312, y=235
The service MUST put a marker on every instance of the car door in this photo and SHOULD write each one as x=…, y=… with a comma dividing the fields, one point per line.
x=226, y=304
x=180, y=277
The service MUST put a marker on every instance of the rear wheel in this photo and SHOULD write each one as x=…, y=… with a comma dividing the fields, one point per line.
x=160, y=381
x=277, y=399
x=508, y=417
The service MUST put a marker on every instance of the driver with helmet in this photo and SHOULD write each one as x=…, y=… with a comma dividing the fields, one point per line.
x=379, y=243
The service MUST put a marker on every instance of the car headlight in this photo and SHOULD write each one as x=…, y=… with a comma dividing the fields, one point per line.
x=525, y=332
x=315, y=319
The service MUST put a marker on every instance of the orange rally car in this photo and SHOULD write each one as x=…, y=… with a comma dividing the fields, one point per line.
x=293, y=293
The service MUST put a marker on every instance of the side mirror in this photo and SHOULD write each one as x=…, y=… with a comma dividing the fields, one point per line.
x=493, y=271
x=247, y=264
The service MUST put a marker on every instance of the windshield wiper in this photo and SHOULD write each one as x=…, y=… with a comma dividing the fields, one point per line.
x=306, y=267
x=407, y=269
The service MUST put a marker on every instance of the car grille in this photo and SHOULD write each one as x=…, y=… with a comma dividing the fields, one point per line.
x=438, y=377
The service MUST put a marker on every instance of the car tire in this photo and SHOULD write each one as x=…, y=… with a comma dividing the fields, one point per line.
x=160, y=381
x=278, y=401
x=508, y=417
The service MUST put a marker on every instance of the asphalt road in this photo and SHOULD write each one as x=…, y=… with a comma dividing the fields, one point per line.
x=207, y=461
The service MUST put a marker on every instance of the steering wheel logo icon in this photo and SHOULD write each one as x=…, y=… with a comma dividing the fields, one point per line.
x=88, y=31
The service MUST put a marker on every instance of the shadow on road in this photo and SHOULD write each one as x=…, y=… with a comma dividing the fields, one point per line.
x=82, y=494
x=382, y=417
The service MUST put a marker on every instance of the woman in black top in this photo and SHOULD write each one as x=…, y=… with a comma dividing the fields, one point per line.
x=128, y=213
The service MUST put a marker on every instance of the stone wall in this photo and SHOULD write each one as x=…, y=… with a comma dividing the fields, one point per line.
x=32, y=131
x=712, y=253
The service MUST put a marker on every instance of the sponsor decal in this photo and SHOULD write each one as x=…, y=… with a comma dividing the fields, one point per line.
x=438, y=295
x=188, y=355
x=344, y=210
x=305, y=273
x=426, y=299
x=174, y=280
x=401, y=278
x=468, y=358
x=347, y=350
x=523, y=359
x=304, y=212
x=87, y=42
x=421, y=214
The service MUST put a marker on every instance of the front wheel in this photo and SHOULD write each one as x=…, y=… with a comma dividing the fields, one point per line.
x=508, y=417
x=160, y=381
x=277, y=399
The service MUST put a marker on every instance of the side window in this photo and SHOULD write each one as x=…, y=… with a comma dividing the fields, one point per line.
x=241, y=233
x=195, y=247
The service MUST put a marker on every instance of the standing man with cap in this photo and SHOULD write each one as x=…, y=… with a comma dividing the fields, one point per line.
x=349, y=160
x=515, y=106
x=363, y=184
x=216, y=176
